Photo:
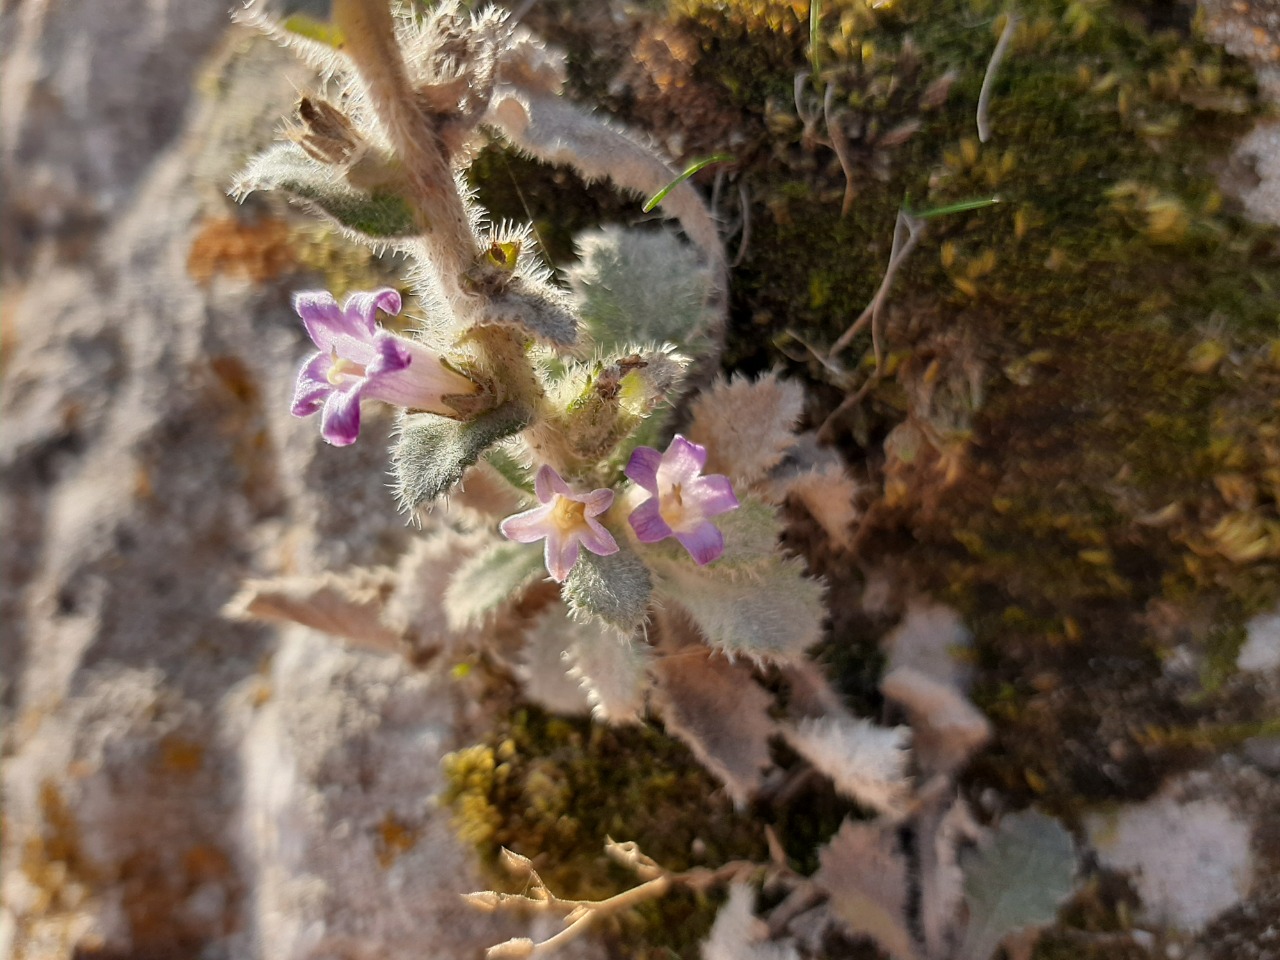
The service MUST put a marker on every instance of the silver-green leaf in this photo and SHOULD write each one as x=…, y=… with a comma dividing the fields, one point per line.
x=380, y=214
x=773, y=614
x=639, y=286
x=489, y=580
x=614, y=590
x=432, y=451
x=1018, y=881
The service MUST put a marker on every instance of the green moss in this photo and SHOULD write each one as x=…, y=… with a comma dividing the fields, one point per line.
x=555, y=789
x=1077, y=434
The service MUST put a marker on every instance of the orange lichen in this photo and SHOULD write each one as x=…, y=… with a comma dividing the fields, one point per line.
x=260, y=250
x=180, y=756
x=395, y=838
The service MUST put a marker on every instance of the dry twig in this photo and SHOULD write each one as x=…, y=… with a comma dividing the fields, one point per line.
x=988, y=81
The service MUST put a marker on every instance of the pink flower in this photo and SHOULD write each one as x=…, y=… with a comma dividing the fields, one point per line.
x=682, y=500
x=567, y=520
x=358, y=361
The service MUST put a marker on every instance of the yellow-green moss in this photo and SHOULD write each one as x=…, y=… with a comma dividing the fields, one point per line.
x=554, y=789
x=1086, y=365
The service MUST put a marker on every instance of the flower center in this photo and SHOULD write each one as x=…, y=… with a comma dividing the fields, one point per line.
x=568, y=514
x=340, y=367
x=673, y=509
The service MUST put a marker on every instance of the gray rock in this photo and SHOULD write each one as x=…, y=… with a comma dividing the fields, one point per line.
x=177, y=785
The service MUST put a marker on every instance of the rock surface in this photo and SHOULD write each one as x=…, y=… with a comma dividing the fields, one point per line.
x=177, y=785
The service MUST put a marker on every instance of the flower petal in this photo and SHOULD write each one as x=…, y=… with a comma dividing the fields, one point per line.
x=325, y=323
x=548, y=483
x=529, y=526
x=560, y=555
x=682, y=462
x=711, y=495
x=646, y=520
x=704, y=542
x=362, y=307
x=643, y=467
x=313, y=386
x=340, y=421
x=597, y=502
x=596, y=538
x=390, y=354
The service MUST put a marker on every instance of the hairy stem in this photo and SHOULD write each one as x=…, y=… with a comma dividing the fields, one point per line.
x=371, y=44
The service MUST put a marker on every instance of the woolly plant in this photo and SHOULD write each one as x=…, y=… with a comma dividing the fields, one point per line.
x=604, y=560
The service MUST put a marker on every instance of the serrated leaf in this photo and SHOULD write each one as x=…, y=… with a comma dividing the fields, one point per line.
x=942, y=826
x=714, y=706
x=489, y=581
x=612, y=668
x=639, y=286
x=432, y=451
x=541, y=667
x=738, y=934
x=1018, y=881
x=614, y=590
x=422, y=577
x=352, y=605
x=774, y=614
x=866, y=763
x=746, y=425
x=380, y=215
x=948, y=728
x=866, y=877
x=536, y=309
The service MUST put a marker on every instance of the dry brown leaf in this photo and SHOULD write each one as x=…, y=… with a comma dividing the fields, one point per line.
x=947, y=728
x=484, y=496
x=351, y=605
x=714, y=706
x=827, y=493
x=866, y=877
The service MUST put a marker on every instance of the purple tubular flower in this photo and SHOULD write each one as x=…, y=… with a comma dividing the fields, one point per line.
x=566, y=520
x=682, y=499
x=358, y=361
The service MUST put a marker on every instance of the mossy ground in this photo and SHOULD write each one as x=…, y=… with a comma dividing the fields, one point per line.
x=1075, y=437
x=554, y=789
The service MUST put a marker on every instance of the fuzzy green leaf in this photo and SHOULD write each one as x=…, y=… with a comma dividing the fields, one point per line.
x=1019, y=881
x=432, y=451
x=773, y=613
x=490, y=579
x=510, y=469
x=380, y=215
x=638, y=286
x=614, y=590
